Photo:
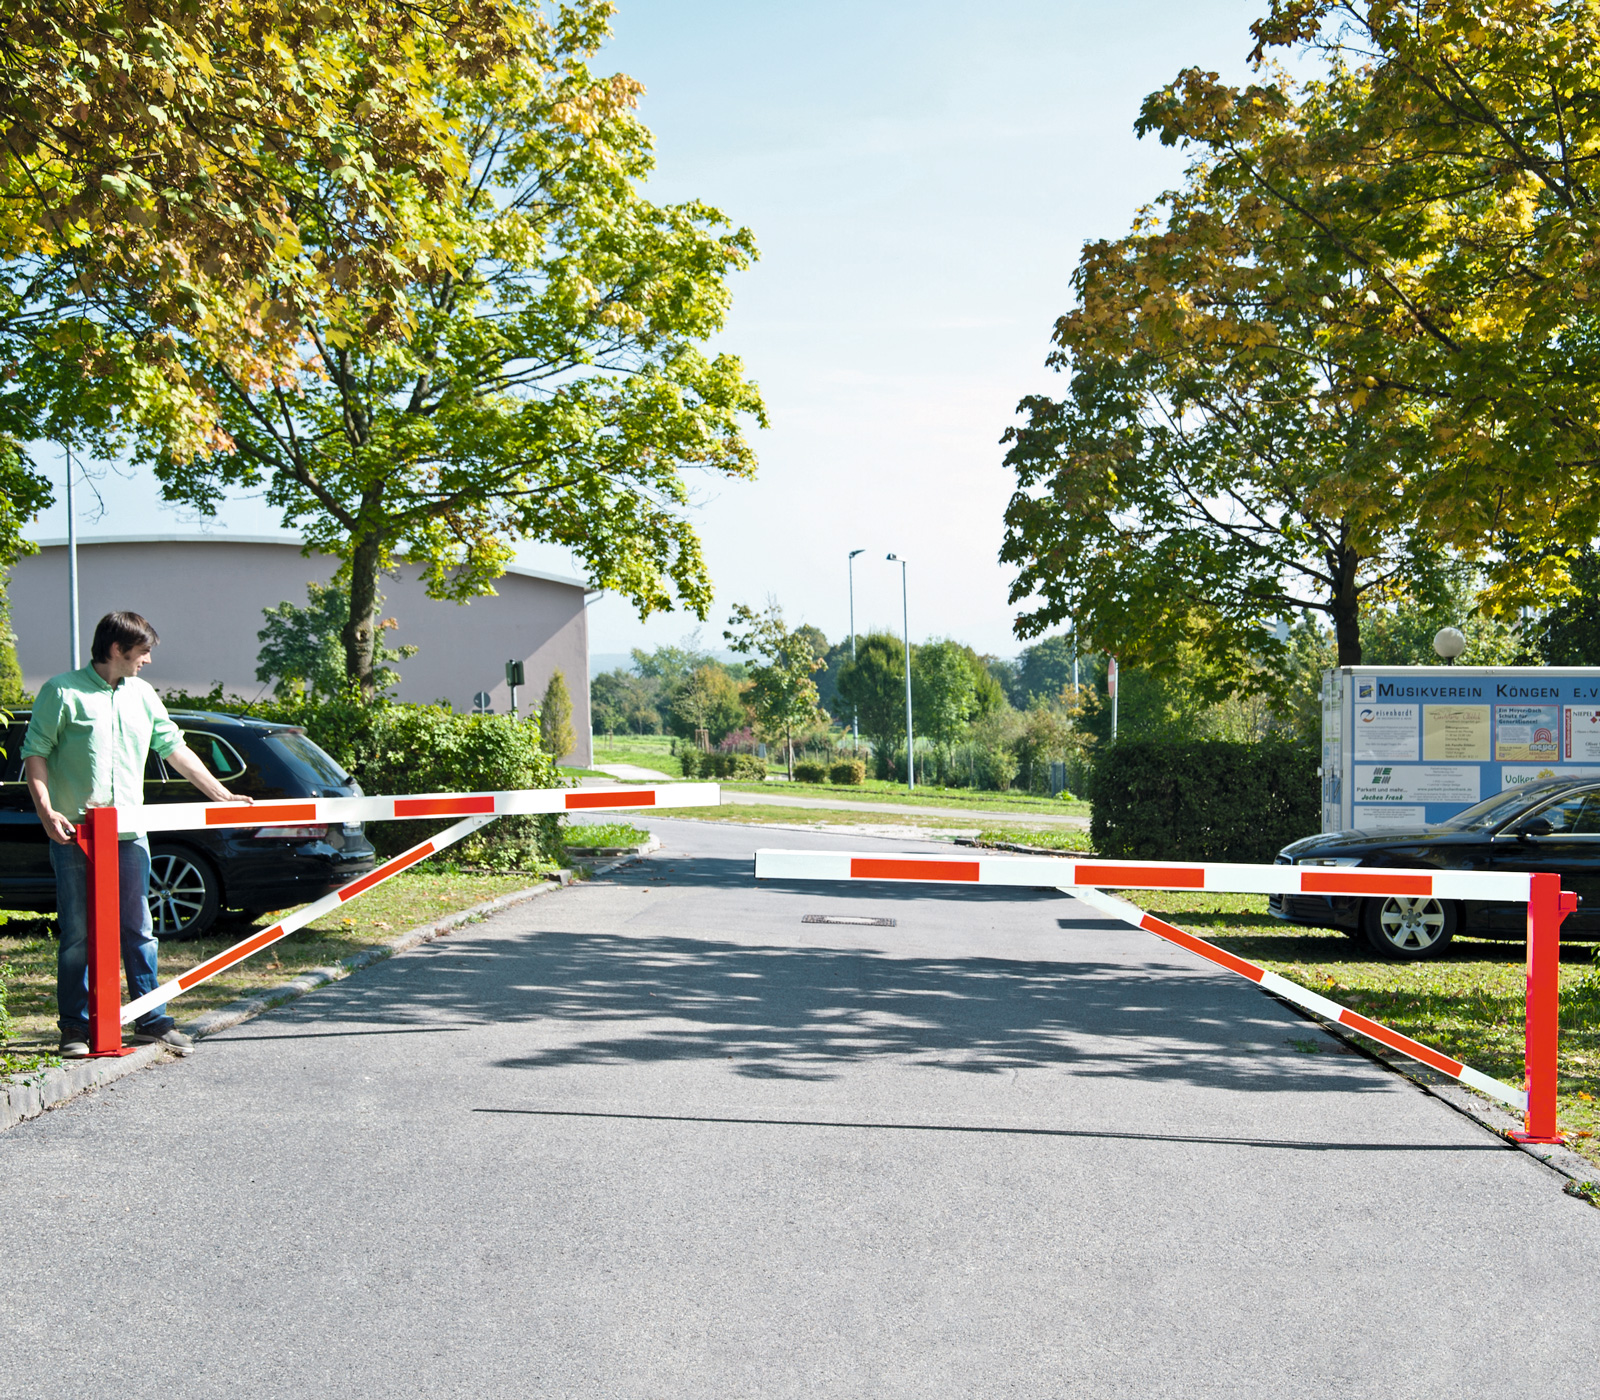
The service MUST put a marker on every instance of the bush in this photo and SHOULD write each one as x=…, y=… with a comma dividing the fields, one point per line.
x=689, y=760
x=1202, y=799
x=850, y=772
x=739, y=767
x=810, y=773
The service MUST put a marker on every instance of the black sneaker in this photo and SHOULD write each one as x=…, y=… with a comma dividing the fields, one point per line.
x=174, y=1039
x=73, y=1049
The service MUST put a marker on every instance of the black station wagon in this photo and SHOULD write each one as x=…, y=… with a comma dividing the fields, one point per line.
x=1548, y=826
x=195, y=875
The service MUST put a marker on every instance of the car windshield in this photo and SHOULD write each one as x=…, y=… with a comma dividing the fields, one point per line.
x=306, y=758
x=1493, y=811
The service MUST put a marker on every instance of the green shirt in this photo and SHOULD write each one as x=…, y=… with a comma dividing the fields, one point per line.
x=94, y=741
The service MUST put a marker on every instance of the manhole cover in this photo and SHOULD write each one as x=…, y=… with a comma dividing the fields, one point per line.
x=847, y=919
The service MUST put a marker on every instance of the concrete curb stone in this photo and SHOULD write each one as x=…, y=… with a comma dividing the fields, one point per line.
x=52, y=1088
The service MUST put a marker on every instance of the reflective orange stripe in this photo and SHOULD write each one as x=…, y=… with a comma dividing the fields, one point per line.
x=262, y=814
x=576, y=800
x=442, y=806
x=863, y=869
x=1363, y=882
x=1139, y=877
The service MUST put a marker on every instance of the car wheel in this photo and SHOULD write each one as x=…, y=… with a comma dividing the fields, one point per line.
x=1410, y=929
x=185, y=894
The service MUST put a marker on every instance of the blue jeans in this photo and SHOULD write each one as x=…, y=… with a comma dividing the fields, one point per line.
x=139, y=944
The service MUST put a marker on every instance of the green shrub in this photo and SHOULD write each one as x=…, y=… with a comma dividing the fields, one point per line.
x=689, y=759
x=737, y=767
x=1202, y=799
x=850, y=772
x=810, y=773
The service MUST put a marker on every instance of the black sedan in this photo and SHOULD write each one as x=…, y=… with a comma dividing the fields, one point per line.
x=1549, y=826
x=195, y=875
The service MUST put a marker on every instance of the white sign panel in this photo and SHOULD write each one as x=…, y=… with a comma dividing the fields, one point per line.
x=1582, y=736
x=1385, y=731
x=1514, y=775
x=1390, y=783
x=1390, y=818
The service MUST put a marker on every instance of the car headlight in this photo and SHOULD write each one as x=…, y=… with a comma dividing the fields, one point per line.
x=1329, y=860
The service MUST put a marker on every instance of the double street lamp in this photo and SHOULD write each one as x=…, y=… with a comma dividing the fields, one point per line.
x=855, y=719
x=905, y=616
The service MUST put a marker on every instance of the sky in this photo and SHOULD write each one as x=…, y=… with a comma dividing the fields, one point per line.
x=919, y=178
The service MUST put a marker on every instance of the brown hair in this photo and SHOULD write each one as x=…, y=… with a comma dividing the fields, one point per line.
x=123, y=629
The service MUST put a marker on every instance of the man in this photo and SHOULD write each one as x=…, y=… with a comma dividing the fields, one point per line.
x=86, y=746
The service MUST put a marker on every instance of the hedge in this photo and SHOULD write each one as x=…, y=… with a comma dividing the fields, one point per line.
x=741, y=767
x=849, y=772
x=807, y=772
x=1202, y=799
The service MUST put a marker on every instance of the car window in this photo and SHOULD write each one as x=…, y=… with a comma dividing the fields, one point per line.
x=1578, y=815
x=215, y=753
x=1492, y=811
x=307, y=759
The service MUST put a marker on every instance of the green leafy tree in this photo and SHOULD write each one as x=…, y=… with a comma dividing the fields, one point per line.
x=782, y=693
x=555, y=718
x=708, y=698
x=943, y=697
x=874, y=685
x=621, y=700
x=552, y=386
x=303, y=648
x=11, y=690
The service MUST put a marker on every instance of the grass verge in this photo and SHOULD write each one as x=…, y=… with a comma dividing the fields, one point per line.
x=1047, y=838
x=1468, y=1003
x=925, y=797
x=586, y=836
x=28, y=944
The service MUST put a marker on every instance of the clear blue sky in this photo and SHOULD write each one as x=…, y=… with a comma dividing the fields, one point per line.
x=919, y=178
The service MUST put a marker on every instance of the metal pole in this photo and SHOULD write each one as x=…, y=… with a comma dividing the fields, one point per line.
x=1074, y=662
x=73, y=648
x=905, y=623
x=855, y=717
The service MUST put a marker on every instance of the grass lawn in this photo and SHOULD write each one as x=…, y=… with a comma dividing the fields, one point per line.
x=926, y=797
x=27, y=943
x=816, y=816
x=1050, y=837
x=645, y=750
x=1467, y=1003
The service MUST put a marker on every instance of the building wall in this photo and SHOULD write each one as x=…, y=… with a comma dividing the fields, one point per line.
x=205, y=597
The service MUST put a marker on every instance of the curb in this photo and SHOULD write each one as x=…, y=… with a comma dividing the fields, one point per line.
x=1024, y=850
x=606, y=852
x=54, y=1087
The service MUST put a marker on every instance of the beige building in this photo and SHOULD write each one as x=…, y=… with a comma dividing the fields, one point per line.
x=205, y=595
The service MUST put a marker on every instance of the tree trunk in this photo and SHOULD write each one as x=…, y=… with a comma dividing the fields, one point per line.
x=358, y=635
x=1346, y=605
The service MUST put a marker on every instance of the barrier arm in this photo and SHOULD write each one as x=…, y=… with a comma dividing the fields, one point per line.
x=1548, y=904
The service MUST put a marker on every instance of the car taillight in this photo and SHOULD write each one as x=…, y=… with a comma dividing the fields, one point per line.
x=290, y=833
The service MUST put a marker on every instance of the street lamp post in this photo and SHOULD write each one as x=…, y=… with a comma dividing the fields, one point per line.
x=855, y=718
x=905, y=623
x=74, y=643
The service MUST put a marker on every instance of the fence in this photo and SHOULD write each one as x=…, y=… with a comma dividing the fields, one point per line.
x=1547, y=905
x=98, y=834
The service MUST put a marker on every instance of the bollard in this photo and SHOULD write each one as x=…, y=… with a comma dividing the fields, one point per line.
x=97, y=835
x=1548, y=905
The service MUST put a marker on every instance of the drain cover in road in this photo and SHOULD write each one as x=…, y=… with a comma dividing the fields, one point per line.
x=846, y=919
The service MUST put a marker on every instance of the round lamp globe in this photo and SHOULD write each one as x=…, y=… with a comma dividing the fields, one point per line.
x=1449, y=642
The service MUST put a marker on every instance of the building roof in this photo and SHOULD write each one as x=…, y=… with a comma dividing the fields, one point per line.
x=522, y=571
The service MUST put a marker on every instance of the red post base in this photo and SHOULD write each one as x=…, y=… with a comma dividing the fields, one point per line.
x=97, y=834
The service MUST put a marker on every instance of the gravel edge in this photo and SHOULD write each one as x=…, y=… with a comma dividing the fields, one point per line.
x=54, y=1087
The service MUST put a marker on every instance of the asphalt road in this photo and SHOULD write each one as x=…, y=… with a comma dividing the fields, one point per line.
x=656, y=1137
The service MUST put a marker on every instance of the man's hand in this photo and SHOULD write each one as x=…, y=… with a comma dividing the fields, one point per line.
x=56, y=826
x=182, y=758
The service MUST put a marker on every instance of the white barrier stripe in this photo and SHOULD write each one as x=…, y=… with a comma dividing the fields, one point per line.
x=319, y=811
x=256, y=942
x=1301, y=996
x=1070, y=872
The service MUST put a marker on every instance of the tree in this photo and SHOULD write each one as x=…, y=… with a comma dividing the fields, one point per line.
x=1043, y=669
x=301, y=647
x=942, y=695
x=782, y=693
x=708, y=698
x=874, y=686
x=552, y=387
x=618, y=700
x=11, y=688
x=24, y=492
x=555, y=718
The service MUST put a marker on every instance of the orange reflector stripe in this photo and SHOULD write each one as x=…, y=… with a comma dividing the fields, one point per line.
x=1139, y=877
x=262, y=814
x=1209, y=951
x=226, y=960
x=1363, y=882
x=1404, y=1043
x=914, y=870
x=442, y=806
x=383, y=872
x=576, y=800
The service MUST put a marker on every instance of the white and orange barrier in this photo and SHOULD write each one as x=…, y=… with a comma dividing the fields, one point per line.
x=98, y=833
x=1547, y=905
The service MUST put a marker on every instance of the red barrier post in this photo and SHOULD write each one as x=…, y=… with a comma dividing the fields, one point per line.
x=1548, y=905
x=97, y=834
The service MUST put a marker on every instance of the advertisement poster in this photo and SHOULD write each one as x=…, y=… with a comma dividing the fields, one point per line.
x=1455, y=733
x=1524, y=774
x=1414, y=782
x=1527, y=733
x=1582, y=732
x=1390, y=818
x=1386, y=731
